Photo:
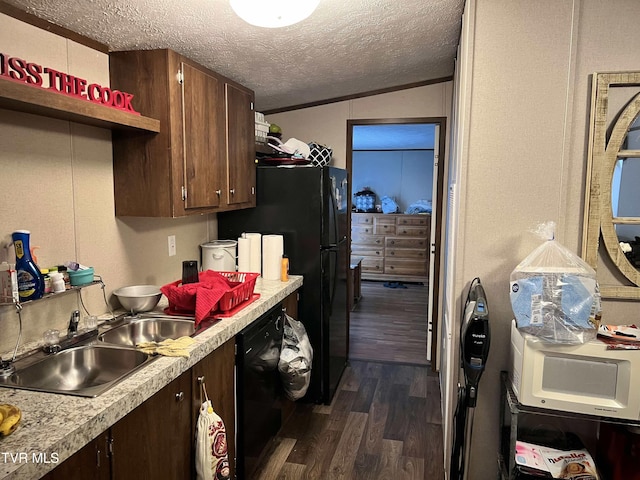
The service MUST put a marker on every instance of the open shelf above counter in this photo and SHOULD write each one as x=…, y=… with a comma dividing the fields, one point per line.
x=24, y=98
x=5, y=301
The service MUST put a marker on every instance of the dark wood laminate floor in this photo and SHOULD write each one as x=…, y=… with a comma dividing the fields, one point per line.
x=390, y=324
x=383, y=423
x=385, y=420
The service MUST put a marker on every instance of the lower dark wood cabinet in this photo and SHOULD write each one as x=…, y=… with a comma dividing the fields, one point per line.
x=92, y=461
x=154, y=440
x=217, y=372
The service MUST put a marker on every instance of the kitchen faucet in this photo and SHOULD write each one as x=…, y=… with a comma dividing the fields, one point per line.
x=57, y=344
x=73, y=324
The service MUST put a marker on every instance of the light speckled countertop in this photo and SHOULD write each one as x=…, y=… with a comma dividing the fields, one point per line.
x=62, y=424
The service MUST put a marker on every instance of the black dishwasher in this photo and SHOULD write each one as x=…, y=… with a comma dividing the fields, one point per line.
x=258, y=389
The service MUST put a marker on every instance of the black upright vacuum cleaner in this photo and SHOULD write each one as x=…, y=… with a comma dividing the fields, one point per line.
x=475, y=338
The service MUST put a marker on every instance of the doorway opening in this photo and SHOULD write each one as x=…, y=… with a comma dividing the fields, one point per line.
x=399, y=159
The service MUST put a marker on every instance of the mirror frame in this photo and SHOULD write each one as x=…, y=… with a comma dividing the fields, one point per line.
x=599, y=221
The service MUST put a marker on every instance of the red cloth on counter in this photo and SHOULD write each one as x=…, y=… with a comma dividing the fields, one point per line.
x=201, y=297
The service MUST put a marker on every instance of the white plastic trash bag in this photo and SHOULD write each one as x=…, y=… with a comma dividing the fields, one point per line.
x=554, y=294
x=212, y=461
x=296, y=358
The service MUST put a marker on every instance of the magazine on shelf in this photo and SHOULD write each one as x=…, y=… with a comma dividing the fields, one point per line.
x=567, y=464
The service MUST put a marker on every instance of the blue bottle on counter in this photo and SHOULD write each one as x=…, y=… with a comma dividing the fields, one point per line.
x=30, y=280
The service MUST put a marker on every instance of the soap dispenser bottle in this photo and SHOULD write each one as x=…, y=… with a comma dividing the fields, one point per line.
x=30, y=280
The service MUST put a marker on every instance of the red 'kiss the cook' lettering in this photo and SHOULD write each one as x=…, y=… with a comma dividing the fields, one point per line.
x=19, y=70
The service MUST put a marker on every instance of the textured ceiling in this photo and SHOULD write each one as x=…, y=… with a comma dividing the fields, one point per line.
x=346, y=47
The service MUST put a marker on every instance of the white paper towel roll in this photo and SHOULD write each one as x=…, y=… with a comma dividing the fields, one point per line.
x=244, y=255
x=255, y=258
x=272, y=250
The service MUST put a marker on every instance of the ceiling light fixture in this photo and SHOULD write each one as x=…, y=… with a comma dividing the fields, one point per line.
x=273, y=13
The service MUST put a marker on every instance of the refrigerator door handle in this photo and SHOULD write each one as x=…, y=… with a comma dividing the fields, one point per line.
x=333, y=279
x=334, y=206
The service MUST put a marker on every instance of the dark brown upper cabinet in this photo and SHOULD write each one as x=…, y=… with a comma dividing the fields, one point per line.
x=203, y=158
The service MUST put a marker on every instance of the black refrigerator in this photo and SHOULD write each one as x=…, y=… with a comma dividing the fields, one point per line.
x=310, y=208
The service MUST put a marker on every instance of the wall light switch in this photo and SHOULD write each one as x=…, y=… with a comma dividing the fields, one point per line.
x=172, y=245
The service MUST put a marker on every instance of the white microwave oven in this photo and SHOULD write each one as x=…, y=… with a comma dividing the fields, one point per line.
x=585, y=378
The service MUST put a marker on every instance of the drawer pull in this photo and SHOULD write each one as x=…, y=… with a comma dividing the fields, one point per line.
x=179, y=396
x=392, y=253
x=393, y=242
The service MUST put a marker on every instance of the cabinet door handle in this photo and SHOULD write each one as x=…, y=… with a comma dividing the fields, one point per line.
x=218, y=192
x=232, y=191
x=179, y=396
x=200, y=379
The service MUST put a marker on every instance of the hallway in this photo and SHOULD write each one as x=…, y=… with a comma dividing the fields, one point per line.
x=390, y=324
x=384, y=422
x=385, y=419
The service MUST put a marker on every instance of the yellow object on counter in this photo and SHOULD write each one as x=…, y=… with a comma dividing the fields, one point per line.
x=284, y=269
x=11, y=416
x=168, y=347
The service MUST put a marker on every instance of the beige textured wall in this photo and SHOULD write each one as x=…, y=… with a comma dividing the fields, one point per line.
x=524, y=160
x=327, y=124
x=58, y=183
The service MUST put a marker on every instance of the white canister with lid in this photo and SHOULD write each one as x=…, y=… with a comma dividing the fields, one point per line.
x=219, y=255
x=57, y=282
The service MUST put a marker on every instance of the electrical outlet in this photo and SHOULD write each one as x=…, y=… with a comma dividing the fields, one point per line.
x=172, y=245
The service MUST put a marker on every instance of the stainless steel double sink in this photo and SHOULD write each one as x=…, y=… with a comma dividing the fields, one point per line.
x=97, y=364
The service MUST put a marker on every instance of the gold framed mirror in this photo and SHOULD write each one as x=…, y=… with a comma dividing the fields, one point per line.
x=611, y=236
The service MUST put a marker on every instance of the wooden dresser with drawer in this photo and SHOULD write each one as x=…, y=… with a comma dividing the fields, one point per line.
x=393, y=247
